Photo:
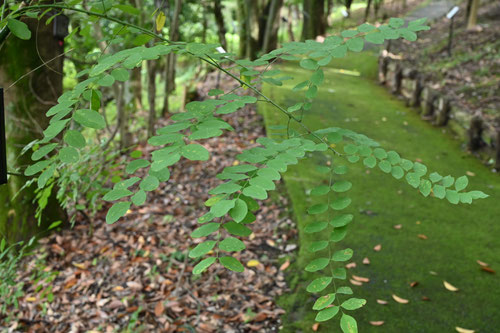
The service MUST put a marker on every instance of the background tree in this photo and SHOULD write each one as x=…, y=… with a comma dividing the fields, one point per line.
x=36, y=67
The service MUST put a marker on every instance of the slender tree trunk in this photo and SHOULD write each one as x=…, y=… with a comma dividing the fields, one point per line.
x=171, y=57
x=472, y=22
x=348, y=4
x=290, y=24
x=136, y=87
x=26, y=104
x=367, y=9
x=272, y=26
x=467, y=11
x=314, y=19
x=151, y=64
x=219, y=20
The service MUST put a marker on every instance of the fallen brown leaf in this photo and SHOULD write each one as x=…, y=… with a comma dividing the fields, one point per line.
x=360, y=278
x=356, y=283
x=470, y=173
x=449, y=286
x=159, y=308
x=482, y=263
x=464, y=330
x=377, y=323
x=315, y=327
x=488, y=269
x=414, y=284
x=350, y=265
x=422, y=236
x=425, y=298
x=366, y=261
x=377, y=247
x=285, y=265
x=400, y=300
x=382, y=302
x=398, y=226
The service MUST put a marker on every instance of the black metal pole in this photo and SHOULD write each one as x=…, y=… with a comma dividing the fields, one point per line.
x=3, y=143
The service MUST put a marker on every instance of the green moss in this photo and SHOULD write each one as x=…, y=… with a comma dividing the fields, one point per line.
x=457, y=235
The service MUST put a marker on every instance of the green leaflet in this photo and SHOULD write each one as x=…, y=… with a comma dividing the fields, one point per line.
x=319, y=284
x=342, y=255
x=348, y=324
x=74, y=139
x=89, y=118
x=19, y=29
x=205, y=230
x=232, y=264
x=323, y=302
x=202, y=249
x=317, y=264
x=239, y=211
x=353, y=303
x=195, y=152
x=327, y=314
x=42, y=151
x=222, y=207
x=341, y=186
x=139, y=198
x=203, y=265
x=237, y=229
x=150, y=183
x=134, y=165
x=231, y=244
x=315, y=227
x=117, y=194
x=116, y=211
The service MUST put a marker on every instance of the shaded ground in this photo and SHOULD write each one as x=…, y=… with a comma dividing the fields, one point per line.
x=435, y=241
x=134, y=275
x=471, y=76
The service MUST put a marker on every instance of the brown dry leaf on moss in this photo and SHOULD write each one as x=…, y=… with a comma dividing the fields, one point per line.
x=377, y=323
x=366, y=261
x=360, y=278
x=382, y=302
x=400, y=300
x=398, y=226
x=377, y=247
x=449, y=286
x=464, y=330
x=422, y=236
x=350, y=265
x=414, y=284
x=488, y=269
x=285, y=265
x=356, y=283
x=482, y=263
x=315, y=327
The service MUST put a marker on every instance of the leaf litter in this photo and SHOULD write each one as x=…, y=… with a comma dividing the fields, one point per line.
x=136, y=271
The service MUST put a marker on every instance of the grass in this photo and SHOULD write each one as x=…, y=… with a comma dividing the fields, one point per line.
x=457, y=235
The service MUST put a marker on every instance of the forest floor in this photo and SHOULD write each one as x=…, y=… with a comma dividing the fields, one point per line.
x=422, y=242
x=471, y=75
x=135, y=275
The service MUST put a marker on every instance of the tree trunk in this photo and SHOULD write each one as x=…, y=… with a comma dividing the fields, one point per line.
x=472, y=22
x=219, y=20
x=348, y=4
x=151, y=64
x=314, y=19
x=367, y=10
x=289, y=24
x=136, y=87
x=171, y=57
x=272, y=26
x=26, y=104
